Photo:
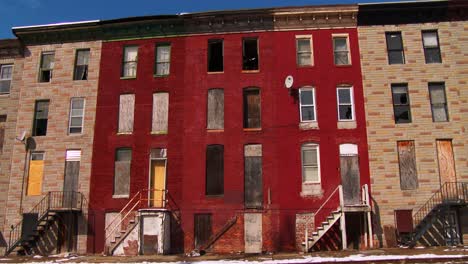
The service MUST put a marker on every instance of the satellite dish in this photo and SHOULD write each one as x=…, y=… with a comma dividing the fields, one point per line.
x=288, y=82
x=22, y=136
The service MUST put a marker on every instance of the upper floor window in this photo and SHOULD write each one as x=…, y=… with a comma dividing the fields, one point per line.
x=81, y=65
x=126, y=113
x=47, y=66
x=6, y=71
x=215, y=55
x=345, y=103
x=401, y=103
x=310, y=163
x=130, y=59
x=307, y=104
x=76, y=115
x=215, y=114
x=395, y=48
x=122, y=165
x=252, y=110
x=250, y=54
x=163, y=59
x=431, y=46
x=304, y=50
x=160, y=113
x=341, y=50
x=214, y=170
x=438, y=102
x=3, y=119
x=41, y=116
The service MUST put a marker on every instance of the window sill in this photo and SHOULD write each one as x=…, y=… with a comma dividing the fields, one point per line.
x=160, y=76
x=75, y=134
x=214, y=196
x=250, y=71
x=124, y=133
x=304, y=66
x=120, y=196
x=347, y=124
x=5, y=95
x=311, y=190
x=220, y=72
x=214, y=130
x=155, y=133
x=252, y=129
x=80, y=80
x=343, y=65
x=308, y=125
x=128, y=78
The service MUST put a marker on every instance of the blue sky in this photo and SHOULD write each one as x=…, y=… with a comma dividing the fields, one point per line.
x=35, y=12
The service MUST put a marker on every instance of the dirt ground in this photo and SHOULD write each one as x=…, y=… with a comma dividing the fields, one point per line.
x=73, y=258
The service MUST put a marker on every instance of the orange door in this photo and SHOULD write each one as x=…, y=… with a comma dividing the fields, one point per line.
x=446, y=161
x=157, y=183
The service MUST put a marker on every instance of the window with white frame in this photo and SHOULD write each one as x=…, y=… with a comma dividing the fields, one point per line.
x=310, y=163
x=345, y=103
x=163, y=59
x=130, y=59
x=76, y=115
x=304, y=51
x=307, y=104
x=341, y=50
x=6, y=72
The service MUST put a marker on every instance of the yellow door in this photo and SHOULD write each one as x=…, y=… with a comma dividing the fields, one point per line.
x=158, y=183
x=36, y=169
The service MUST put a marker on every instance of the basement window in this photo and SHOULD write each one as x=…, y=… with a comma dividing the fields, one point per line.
x=250, y=54
x=81, y=65
x=215, y=55
x=47, y=66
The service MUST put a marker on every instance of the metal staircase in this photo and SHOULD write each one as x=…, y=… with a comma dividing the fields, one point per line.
x=450, y=194
x=128, y=217
x=47, y=211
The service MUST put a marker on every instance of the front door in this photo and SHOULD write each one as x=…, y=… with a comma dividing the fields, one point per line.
x=446, y=161
x=70, y=183
x=349, y=167
x=157, y=183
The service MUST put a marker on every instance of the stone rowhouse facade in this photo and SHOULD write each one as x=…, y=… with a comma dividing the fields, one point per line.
x=281, y=134
x=11, y=53
x=382, y=131
x=57, y=141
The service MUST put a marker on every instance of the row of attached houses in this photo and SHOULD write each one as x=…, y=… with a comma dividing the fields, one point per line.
x=283, y=129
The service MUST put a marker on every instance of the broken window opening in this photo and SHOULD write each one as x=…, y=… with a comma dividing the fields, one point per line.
x=401, y=103
x=250, y=54
x=41, y=113
x=81, y=65
x=47, y=66
x=215, y=55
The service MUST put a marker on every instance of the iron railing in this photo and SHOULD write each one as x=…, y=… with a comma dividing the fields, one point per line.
x=449, y=193
x=60, y=201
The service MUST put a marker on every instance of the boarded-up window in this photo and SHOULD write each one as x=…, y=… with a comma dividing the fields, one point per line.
x=81, y=65
x=253, y=183
x=160, y=113
x=126, y=113
x=41, y=113
x=3, y=119
x=438, y=102
x=215, y=55
x=36, y=173
x=310, y=163
x=215, y=109
x=203, y=229
x=252, y=110
x=446, y=161
x=407, y=161
x=76, y=115
x=123, y=158
x=215, y=170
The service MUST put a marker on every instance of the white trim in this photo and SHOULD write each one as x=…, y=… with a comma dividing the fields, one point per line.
x=57, y=24
x=317, y=149
x=301, y=105
x=342, y=35
x=73, y=155
x=311, y=50
x=348, y=149
x=82, y=115
x=351, y=94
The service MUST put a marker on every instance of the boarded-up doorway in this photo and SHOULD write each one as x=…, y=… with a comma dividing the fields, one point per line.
x=70, y=183
x=350, y=179
x=203, y=229
x=157, y=178
x=446, y=161
x=253, y=232
x=253, y=176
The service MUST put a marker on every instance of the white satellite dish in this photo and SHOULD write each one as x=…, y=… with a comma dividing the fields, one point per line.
x=22, y=136
x=288, y=82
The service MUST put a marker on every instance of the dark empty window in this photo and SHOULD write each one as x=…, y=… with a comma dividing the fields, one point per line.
x=47, y=66
x=6, y=72
x=3, y=119
x=215, y=170
x=250, y=54
x=401, y=103
x=41, y=113
x=438, y=102
x=395, y=48
x=123, y=158
x=203, y=229
x=81, y=65
x=215, y=55
x=431, y=46
x=252, y=110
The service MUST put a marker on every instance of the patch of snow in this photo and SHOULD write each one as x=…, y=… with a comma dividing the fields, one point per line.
x=37, y=256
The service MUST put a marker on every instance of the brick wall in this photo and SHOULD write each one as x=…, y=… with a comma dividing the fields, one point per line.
x=383, y=133
x=305, y=221
x=59, y=91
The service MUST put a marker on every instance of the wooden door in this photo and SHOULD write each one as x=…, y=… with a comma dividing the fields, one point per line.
x=446, y=161
x=349, y=166
x=203, y=229
x=253, y=184
x=253, y=232
x=70, y=182
x=157, y=183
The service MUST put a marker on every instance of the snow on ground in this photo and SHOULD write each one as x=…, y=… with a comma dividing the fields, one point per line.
x=305, y=259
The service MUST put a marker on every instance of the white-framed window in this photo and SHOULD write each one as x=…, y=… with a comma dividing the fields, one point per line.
x=341, y=50
x=304, y=54
x=47, y=66
x=345, y=100
x=77, y=106
x=6, y=71
x=130, y=61
x=310, y=163
x=307, y=108
x=163, y=59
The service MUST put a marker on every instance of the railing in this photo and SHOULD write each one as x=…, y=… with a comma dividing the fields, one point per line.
x=365, y=197
x=324, y=215
x=145, y=198
x=450, y=192
x=51, y=201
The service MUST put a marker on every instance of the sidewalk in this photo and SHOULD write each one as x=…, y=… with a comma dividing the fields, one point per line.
x=417, y=255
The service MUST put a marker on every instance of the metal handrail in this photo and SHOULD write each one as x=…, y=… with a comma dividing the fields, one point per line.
x=326, y=201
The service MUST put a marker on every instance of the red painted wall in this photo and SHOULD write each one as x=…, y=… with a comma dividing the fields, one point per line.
x=187, y=138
